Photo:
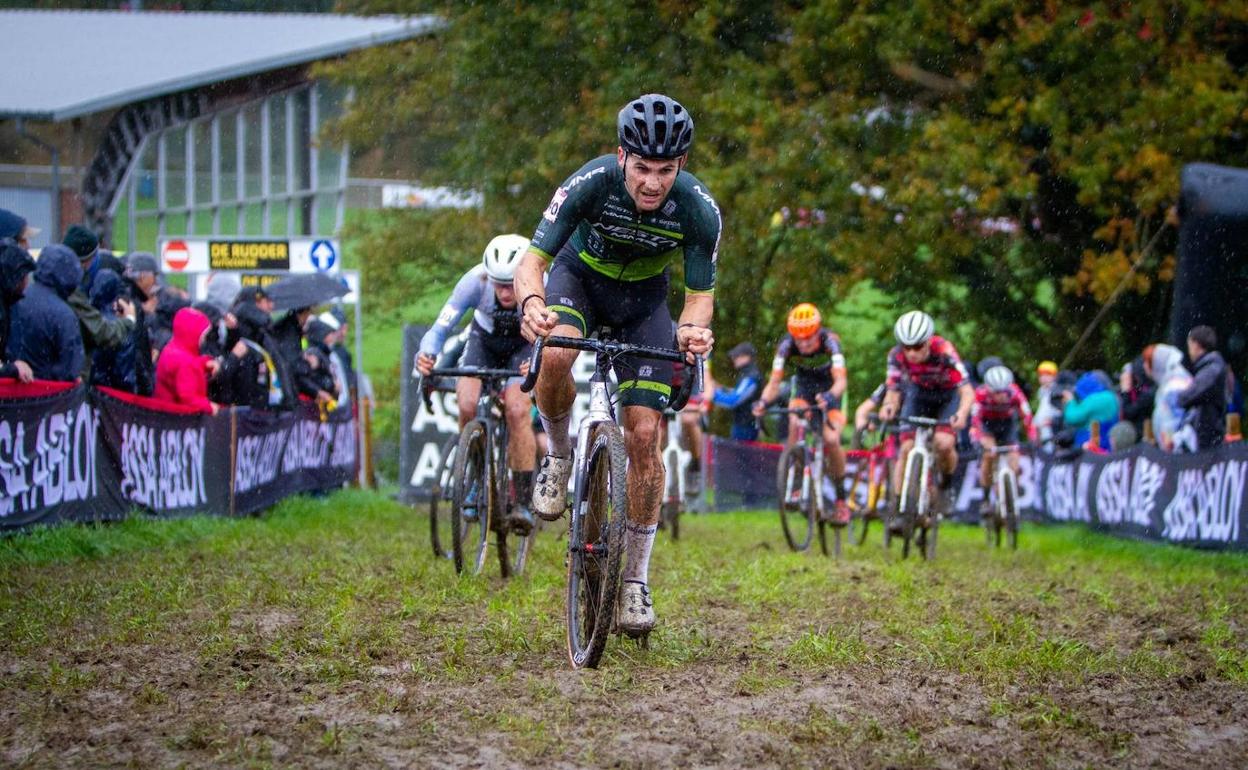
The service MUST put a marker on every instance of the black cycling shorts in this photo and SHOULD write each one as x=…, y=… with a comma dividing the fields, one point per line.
x=634, y=311
x=491, y=351
x=808, y=384
x=1004, y=432
x=932, y=404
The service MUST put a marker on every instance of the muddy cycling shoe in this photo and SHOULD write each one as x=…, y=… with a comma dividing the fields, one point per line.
x=987, y=510
x=635, y=612
x=521, y=520
x=550, y=487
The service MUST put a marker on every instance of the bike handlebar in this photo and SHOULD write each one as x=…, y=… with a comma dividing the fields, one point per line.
x=612, y=348
x=427, y=385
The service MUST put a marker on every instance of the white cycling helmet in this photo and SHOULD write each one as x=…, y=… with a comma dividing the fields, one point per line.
x=999, y=378
x=502, y=254
x=914, y=328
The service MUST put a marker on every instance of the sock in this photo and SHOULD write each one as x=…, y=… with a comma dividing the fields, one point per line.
x=638, y=540
x=522, y=482
x=557, y=437
x=842, y=488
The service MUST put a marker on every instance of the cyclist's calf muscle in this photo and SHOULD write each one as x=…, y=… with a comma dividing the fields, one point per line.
x=645, y=465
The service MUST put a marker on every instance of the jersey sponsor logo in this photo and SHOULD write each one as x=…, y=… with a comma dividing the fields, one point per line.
x=574, y=181
x=669, y=208
x=630, y=233
x=645, y=372
x=447, y=316
x=552, y=211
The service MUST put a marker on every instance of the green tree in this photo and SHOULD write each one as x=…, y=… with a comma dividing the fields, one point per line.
x=1000, y=164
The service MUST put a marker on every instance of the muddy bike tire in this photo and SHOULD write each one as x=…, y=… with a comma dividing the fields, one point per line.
x=594, y=573
x=836, y=537
x=513, y=548
x=441, y=530
x=1010, y=525
x=860, y=515
x=669, y=516
x=797, y=521
x=909, y=508
x=929, y=538
x=470, y=539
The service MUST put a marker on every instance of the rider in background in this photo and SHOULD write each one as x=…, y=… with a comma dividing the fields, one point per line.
x=926, y=378
x=494, y=342
x=740, y=398
x=821, y=381
x=1000, y=406
x=868, y=407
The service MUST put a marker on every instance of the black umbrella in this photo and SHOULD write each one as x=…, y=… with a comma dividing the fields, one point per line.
x=305, y=290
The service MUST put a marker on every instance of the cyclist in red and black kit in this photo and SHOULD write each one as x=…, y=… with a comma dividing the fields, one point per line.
x=1000, y=406
x=926, y=373
x=819, y=378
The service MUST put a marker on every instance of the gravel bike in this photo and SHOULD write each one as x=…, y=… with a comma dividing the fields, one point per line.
x=917, y=519
x=599, y=495
x=479, y=481
x=1004, y=516
x=871, y=490
x=800, y=483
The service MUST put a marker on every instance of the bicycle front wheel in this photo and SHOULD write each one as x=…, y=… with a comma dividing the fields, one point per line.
x=471, y=501
x=596, y=547
x=441, y=528
x=670, y=517
x=1011, y=513
x=910, y=500
x=797, y=516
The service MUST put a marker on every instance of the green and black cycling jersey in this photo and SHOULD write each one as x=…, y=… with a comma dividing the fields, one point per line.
x=593, y=215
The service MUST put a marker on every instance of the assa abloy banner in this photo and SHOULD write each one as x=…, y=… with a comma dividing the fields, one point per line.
x=1195, y=499
x=72, y=453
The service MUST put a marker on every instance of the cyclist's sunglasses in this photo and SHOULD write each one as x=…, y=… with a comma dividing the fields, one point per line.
x=914, y=347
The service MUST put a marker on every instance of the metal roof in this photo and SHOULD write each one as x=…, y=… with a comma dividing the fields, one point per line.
x=57, y=65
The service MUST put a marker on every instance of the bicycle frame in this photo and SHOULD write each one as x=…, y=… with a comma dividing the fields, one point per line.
x=809, y=436
x=1004, y=475
x=920, y=454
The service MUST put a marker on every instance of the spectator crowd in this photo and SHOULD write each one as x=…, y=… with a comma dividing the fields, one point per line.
x=80, y=313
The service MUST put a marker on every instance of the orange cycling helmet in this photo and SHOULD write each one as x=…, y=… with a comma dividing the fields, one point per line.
x=804, y=321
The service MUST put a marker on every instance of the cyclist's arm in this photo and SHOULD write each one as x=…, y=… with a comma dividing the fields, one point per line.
x=772, y=388
x=966, y=396
x=731, y=399
x=528, y=276
x=465, y=297
x=863, y=413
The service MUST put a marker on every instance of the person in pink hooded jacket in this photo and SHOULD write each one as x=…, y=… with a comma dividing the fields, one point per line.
x=182, y=371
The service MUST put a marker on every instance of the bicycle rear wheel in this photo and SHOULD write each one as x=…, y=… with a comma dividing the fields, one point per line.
x=595, y=548
x=1011, y=513
x=441, y=528
x=797, y=517
x=472, y=500
x=513, y=549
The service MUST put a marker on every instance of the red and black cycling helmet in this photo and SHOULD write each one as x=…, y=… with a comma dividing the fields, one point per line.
x=655, y=126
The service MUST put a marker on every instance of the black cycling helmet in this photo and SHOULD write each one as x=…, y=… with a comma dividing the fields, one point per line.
x=655, y=126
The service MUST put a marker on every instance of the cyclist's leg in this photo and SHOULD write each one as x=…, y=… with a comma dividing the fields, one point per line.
x=946, y=441
x=645, y=390
x=467, y=391
x=566, y=296
x=987, y=460
x=691, y=430
x=520, y=441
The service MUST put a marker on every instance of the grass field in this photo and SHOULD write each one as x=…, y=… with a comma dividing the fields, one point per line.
x=325, y=634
